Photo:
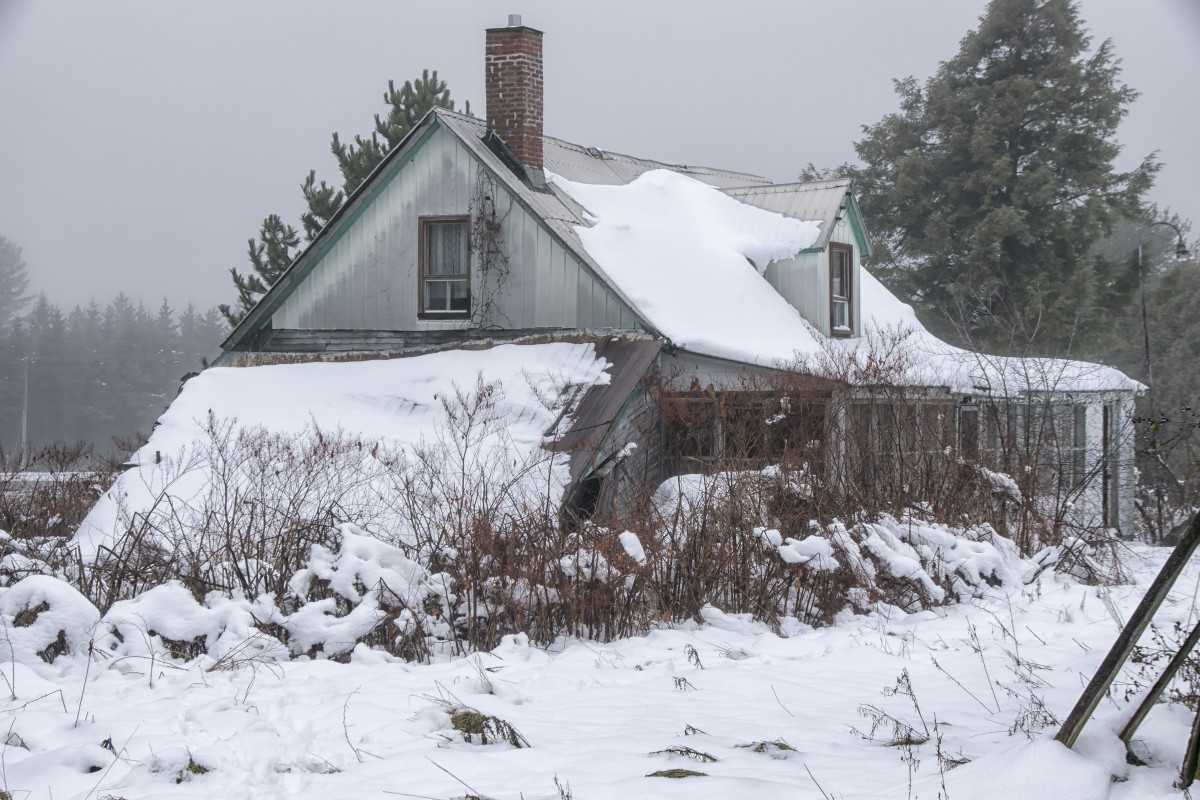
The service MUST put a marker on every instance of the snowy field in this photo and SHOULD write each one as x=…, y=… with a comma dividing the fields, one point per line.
x=777, y=716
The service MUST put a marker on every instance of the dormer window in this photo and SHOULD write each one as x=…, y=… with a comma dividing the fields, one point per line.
x=841, y=289
x=445, y=267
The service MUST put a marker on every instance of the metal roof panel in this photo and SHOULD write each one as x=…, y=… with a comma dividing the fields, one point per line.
x=821, y=201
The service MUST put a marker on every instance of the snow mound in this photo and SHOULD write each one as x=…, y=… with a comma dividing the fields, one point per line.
x=365, y=582
x=691, y=259
x=45, y=618
x=343, y=596
x=813, y=551
x=944, y=562
x=167, y=619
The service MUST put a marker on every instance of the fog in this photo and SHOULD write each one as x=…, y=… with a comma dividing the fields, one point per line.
x=142, y=141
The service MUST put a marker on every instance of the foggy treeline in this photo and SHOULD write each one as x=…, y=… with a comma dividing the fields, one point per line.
x=98, y=375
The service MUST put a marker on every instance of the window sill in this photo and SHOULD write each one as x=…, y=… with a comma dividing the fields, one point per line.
x=443, y=315
x=841, y=332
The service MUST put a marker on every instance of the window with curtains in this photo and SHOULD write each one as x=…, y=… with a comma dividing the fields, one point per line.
x=445, y=267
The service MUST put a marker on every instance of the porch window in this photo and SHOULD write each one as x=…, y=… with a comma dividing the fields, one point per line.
x=444, y=267
x=968, y=431
x=692, y=427
x=796, y=433
x=742, y=428
x=841, y=288
x=1056, y=445
x=998, y=425
x=1079, y=443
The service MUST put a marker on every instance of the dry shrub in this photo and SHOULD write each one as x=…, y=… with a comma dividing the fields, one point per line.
x=237, y=512
x=1149, y=659
x=244, y=511
x=49, y=493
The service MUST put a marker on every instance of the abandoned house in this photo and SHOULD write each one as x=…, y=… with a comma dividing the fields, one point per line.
x=730, y=312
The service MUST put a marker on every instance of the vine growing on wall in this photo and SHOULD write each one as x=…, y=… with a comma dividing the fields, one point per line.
x=487, y=243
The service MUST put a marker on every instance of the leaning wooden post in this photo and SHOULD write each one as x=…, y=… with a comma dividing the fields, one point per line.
x=1156, y=690
x=1129, y=636
x=1191, y=758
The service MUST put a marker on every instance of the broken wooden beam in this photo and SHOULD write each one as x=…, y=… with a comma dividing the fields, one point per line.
x=1160, y=685
x=1129, y=635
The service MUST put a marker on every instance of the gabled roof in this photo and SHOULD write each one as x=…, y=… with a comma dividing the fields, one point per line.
x=822, y=201
x=592, y=165
x=558, y=213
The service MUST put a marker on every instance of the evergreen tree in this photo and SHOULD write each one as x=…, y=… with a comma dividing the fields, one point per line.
x=989, y=186
x=49, y=371
x=406, y=106
x=355, y=159
x=269, y=254
x=14, y=281
x=322, y=202
x=97, y=374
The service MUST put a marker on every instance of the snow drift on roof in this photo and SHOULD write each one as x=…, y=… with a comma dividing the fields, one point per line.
x=691, y=259
x=932, y=362
x=397, y=403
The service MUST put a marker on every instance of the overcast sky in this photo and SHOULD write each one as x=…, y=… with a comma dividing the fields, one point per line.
x=142, y=141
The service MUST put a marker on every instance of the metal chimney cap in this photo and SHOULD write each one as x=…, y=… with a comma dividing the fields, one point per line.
x=514, y=20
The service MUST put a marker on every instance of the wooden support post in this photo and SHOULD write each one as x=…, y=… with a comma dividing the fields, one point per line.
x=1191, y=759
x=1160, y=685
x=1128, y=637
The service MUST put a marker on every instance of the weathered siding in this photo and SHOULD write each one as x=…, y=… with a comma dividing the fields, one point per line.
x=642, y=469
x=367, y=279
x=681, y=370
x=804, y=280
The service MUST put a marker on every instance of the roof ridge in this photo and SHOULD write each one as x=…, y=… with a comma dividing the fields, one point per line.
x=824, y=183
x=593, y=151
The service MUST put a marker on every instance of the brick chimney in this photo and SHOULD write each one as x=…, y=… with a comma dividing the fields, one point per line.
x=513, y=80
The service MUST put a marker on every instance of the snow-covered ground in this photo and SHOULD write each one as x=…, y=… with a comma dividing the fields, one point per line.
x=601, y=717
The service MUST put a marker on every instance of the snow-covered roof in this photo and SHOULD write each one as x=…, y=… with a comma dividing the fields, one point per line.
x=691, y=257
x=559, y=212
x=673, y=242
x=394, y=402
x=932, y=362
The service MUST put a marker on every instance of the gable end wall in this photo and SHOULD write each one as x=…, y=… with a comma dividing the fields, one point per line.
x=367, y=279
